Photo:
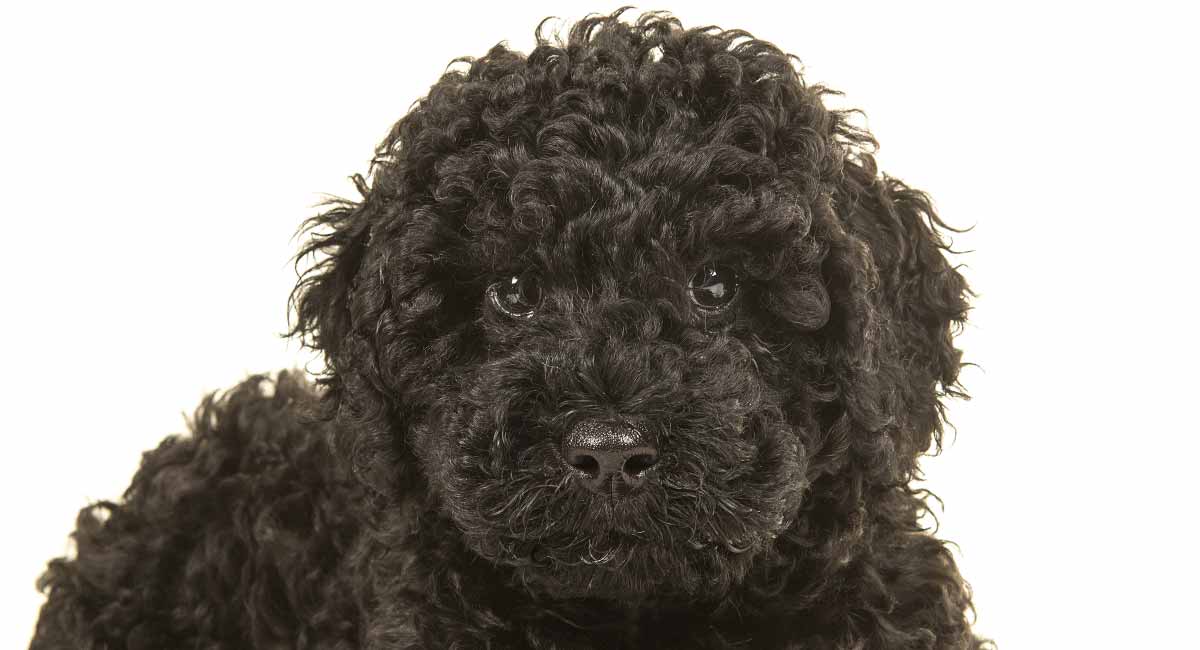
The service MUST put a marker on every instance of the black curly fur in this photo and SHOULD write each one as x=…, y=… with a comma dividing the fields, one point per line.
x=415, y=498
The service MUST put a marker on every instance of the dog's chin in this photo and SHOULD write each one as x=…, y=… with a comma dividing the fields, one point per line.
x=626, y=569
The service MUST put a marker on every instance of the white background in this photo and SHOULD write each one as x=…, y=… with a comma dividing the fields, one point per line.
x=155, y=162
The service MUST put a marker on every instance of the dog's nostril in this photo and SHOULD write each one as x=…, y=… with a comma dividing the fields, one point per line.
x=585, y=463
x=639, y=463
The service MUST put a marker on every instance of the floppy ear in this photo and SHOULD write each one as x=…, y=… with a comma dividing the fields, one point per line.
x=321, y=298
x=919, y=301
x=338, y=304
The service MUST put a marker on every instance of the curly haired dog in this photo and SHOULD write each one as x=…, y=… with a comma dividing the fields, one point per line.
x=629, y=345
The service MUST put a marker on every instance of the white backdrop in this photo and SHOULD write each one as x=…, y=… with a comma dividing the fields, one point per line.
x=155, y=162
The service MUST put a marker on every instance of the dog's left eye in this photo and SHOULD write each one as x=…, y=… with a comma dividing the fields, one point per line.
x=713, y=287
x=516, y=296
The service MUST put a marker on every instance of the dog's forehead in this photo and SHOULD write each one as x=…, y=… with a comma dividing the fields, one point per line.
x=551, y=173
x=682, y=200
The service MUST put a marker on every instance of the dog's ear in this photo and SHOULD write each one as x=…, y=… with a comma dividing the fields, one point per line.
x=321, y=298
x=338, y=304
x=912, y=302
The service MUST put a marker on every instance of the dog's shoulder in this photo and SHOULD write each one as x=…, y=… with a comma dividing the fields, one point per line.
x=236, y=533
x=256, y=458
x=262, y=433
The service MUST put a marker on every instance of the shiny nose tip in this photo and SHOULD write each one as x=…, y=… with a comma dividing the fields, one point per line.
x=609, y=457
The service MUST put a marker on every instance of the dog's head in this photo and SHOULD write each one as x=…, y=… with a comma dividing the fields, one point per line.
x=629, y=308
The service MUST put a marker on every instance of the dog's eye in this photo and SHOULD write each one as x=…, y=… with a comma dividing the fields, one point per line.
x=713, y=287
x=516, y=296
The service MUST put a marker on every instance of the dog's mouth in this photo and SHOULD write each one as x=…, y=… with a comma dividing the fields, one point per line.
x=622, y=567
x=660, y=542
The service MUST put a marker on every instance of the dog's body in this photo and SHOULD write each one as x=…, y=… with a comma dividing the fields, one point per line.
x=628, y=345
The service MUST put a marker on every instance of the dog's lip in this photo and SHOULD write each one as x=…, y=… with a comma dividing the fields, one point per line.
x=734, y=546
x=741, y=545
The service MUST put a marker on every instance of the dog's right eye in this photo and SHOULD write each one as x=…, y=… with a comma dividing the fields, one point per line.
x=713, y=287
x=515, y=296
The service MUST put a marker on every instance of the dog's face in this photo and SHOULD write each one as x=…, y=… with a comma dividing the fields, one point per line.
x=600, y=304
x=613, y=404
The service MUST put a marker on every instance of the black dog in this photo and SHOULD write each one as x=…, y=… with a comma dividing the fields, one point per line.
x=629, y=344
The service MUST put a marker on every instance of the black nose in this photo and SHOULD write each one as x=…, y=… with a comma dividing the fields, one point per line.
x=609, y=457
